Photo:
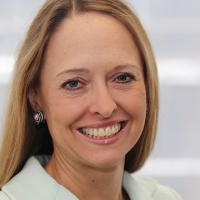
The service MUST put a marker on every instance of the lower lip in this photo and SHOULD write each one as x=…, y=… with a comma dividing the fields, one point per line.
x=106, y=140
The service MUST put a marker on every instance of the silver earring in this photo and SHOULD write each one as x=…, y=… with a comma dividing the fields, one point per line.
x=38, y=117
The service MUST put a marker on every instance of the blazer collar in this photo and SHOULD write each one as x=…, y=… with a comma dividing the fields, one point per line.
x=136, y=189
x=34, y=183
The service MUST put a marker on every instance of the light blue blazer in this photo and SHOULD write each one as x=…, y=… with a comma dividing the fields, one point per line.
x=33, y=183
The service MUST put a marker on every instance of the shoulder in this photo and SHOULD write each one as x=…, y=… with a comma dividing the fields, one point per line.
x=158, y=191
x=148, y=189
x=33, y=182
x=3, y=196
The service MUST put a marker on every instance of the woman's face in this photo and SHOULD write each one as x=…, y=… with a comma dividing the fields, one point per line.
x=92, y=91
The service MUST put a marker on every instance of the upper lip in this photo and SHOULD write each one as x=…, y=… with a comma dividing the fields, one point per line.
x=102, y=125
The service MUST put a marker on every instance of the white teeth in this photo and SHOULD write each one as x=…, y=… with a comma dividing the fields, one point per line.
x=102, y=133
x=113, y=130
x=96, y=132
x=108, y=131
x=90, y=131
x=117, y=127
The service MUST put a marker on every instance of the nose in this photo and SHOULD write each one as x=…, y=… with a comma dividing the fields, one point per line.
x=102, y=103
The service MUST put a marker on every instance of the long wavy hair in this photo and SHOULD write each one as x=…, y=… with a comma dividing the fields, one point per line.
x=21, y=138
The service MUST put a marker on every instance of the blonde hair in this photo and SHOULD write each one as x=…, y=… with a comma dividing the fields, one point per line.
x=21, y=138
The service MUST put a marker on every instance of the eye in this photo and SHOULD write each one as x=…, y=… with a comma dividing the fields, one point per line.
x=72, y=85
x=124, y=78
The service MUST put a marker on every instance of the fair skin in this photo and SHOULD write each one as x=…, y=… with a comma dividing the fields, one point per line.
x=92, y=78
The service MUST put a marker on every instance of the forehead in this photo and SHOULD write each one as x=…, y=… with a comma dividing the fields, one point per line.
x=93, y=37
x=93, y=21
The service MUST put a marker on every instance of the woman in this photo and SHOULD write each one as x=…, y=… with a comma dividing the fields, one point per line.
x=83, y=106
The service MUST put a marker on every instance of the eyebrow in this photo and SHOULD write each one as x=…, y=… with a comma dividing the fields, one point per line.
x=125, y=66
x=82, y=70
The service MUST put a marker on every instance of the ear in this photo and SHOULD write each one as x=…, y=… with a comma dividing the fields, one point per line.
x=32, y=97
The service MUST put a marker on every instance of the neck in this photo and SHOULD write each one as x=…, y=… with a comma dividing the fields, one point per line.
x=87, y=182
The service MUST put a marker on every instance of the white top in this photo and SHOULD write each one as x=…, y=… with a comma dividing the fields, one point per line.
x=34, y=183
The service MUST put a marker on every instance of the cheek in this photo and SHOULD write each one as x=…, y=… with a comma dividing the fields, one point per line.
x=139, y=106
x=133, y=101
x=61, y=111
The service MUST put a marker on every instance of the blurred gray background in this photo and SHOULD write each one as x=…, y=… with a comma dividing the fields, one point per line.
x=174, y=30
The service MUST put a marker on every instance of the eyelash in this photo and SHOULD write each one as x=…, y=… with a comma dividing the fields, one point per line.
x=66, y=84
x=127, y=75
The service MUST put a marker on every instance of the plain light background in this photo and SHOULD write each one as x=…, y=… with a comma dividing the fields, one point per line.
x=174, y=30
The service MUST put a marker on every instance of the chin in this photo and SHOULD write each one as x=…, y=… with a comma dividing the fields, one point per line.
x=109, y=163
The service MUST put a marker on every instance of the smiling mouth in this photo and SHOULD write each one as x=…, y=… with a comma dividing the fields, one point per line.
x=104, y=132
